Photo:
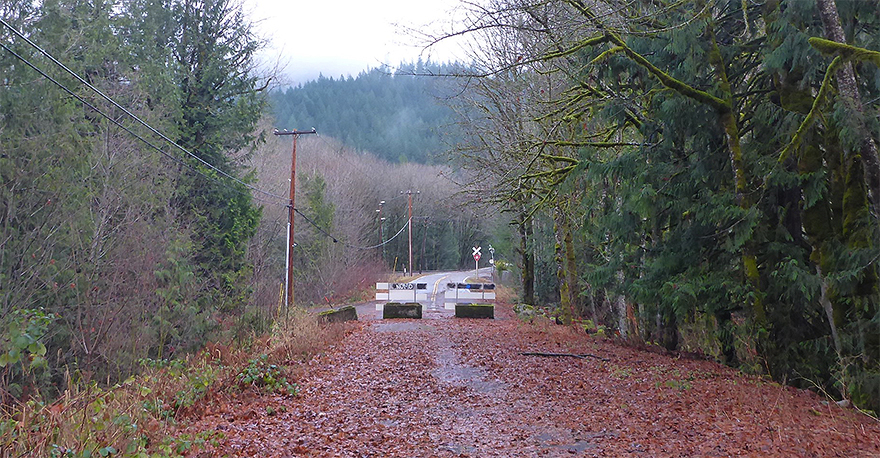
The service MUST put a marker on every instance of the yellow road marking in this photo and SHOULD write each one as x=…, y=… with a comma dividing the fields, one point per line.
x=436, y=285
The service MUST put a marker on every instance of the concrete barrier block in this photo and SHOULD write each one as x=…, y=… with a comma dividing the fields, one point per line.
x=475, y=311
x=343, y=314
x=398, y=310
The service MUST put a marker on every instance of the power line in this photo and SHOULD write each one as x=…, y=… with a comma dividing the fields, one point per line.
x=315, y=225
x=383, y=243
x=114, y=121
x=164, y=137
x=346, y=244
x=124, y=110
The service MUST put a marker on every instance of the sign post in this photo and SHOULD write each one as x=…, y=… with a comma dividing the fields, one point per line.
x=477, y=257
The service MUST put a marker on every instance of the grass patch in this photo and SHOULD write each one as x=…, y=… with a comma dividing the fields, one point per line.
x=139, y=417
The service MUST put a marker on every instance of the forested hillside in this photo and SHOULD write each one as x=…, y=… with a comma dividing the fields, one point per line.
x=120, y=243
x=143, y=199
x=699, y=178
x=341, y=232
x=399, y=116
x=701, y=175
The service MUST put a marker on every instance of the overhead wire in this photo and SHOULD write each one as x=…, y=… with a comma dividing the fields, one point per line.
x=114, y=121
x=387, y=241
x=157, y=148
x=346, y=244
x=315, y=225
x=383, y=243
x=129, y=113
x=164, y=137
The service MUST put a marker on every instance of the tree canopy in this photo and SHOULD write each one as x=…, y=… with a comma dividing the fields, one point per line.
x=396, y=115
x=704, y=172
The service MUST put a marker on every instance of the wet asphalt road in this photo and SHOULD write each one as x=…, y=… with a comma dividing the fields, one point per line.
x=434, y=308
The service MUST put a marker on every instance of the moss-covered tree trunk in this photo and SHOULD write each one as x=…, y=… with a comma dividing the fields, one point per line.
x=527, y=259
x=571, y=269
x=849, y=91
x=562, y=277
x=727, y=118
x=861, y=184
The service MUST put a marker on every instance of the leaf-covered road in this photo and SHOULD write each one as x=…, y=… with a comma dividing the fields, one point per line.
x=447, y=387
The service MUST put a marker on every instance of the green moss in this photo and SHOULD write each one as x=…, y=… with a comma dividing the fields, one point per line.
x=795, y=99
x=475, y=311
x=398, y=310
x=850, y=52
x=817, y=105
x=347, y=313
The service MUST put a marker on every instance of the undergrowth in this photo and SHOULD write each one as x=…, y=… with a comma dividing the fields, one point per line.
x=139, y=417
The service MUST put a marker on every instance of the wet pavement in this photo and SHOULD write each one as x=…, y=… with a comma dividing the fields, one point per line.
x=434, y=307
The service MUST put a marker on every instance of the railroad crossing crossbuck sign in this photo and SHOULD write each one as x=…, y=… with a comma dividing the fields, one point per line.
x=477, y=253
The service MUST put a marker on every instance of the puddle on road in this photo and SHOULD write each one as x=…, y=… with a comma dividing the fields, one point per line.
x=400, y=326
x=450, y=371
x=566, y=444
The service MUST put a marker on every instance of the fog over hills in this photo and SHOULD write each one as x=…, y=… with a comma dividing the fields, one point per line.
x=399, y=116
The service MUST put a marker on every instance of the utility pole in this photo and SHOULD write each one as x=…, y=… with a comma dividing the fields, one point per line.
x=288, y=290
x=409, y=194
x=381, y=235
x=424, y=242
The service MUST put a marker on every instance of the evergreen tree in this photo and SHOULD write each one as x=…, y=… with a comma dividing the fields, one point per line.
x=727, y=180
x=104, y=249
x=204, y=55
x=395, y=116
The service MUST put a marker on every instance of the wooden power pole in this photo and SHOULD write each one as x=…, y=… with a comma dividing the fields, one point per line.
x=288, y=290
x=409, y=194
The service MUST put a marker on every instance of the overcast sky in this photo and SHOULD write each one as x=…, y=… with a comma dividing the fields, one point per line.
x=344, y=37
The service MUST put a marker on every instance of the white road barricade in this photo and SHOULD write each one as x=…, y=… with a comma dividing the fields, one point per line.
x=400, y=292
x=468, y=292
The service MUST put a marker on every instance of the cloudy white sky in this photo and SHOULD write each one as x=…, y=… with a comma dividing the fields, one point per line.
x=344, y=37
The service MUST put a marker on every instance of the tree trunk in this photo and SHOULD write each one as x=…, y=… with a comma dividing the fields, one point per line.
x=571, y=265
x=862, y=182
x=849, y=90
x=562, y=277
x=829, y=311
x=527, y=275
x=621, y=309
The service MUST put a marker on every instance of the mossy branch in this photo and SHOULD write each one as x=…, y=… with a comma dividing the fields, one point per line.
x=606, y=54
x=849, y=52
x=682, y=88
x=814, y=109
x=551, y=157
x=583, y=44
x=549, y=173
x=597, y=144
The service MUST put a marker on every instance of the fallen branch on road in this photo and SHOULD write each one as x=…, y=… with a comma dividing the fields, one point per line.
x=570, y=355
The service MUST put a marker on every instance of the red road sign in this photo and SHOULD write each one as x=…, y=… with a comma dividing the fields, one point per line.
x=476, y=256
